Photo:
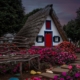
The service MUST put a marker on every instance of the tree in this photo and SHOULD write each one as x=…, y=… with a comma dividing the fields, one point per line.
x=72, y=28
x=78, y=17
x=11, y=16
x=77, y=20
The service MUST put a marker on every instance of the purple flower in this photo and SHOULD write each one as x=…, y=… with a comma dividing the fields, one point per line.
x=55, y=77
x=62, y=79
x=64, y=73
x=77, y=75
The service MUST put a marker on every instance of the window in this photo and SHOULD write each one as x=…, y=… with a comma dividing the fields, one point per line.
x=48, y=24
x=56, y=39
x=39, y=39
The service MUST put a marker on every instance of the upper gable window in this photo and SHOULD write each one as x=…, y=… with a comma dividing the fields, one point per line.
x=48, y=24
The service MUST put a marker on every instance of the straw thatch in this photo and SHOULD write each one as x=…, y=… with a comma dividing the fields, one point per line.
x=34, y=24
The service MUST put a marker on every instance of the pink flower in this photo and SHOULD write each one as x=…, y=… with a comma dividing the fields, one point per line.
x=78, y=66
x=70, y=67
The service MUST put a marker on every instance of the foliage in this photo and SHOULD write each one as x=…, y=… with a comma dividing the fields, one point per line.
x=9, y=67
x=53, y=55
x=72, y=28
x=11, y=16
x=78, y=19
x=66, y=46
x=64, y=58
x=77, y=50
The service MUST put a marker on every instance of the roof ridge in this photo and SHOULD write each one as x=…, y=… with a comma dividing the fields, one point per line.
x=50, y=5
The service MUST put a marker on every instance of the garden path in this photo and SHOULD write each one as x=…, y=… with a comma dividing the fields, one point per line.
x=60, y=69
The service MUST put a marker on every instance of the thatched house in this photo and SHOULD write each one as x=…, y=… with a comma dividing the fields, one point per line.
x=43, y=28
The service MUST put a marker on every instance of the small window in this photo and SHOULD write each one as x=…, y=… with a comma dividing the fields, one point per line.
x=56, y=39
x=48, y=24
x=39, y=39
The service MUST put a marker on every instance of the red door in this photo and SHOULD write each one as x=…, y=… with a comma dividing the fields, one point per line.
x=48, y=39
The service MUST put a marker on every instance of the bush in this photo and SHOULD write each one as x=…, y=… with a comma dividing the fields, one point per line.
x=53, y=55
x=66, y=46
x=64, y=58
x=77, y=50
x=34, y=49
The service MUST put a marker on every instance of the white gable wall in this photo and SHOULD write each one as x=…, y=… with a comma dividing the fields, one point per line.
x=53, y=29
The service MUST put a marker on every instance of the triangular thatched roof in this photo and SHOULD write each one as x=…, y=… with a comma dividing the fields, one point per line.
x=34, y=24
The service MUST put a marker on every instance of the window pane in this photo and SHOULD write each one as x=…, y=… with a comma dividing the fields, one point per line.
x=48, y=24
x=40, y=39
x=56, y=38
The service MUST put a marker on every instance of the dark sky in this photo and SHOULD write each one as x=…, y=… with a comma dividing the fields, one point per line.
x=65, y=9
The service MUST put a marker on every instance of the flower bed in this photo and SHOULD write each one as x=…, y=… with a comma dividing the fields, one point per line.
x=9, y=67
x=66, y=46
x=54, y=55
x=61, y=54
x=64, y=58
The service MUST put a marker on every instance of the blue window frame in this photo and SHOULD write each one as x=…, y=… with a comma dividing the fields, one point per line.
x=39, y=39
